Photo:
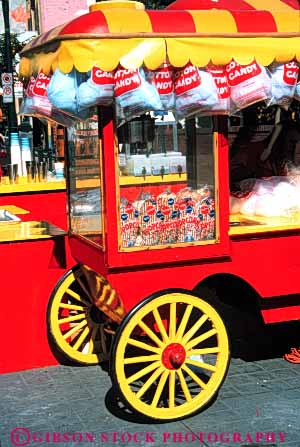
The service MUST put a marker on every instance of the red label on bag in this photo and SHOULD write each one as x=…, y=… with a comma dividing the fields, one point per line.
x=290, y=73
x=186, y=79
x=41, y=84
x=30, y=86
x=236, y=73
x=126, y=81
x=101, y=77
x=163, y=80
x=220, y=79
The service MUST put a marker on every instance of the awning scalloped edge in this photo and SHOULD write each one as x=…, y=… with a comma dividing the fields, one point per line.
x=107, y=54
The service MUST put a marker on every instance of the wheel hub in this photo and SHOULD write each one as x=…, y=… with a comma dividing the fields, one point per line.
x=96, y=315
x=173, y=356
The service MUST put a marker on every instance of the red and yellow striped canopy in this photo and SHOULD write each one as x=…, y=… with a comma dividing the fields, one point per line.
x=122, y=32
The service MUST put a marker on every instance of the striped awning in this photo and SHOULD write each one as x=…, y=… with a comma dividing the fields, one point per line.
x=200, y=31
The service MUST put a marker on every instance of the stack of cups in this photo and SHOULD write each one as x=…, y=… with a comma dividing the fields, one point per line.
x=25, y=153
x=15, y=151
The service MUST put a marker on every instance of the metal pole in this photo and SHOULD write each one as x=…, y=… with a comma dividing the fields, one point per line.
x=8, y=61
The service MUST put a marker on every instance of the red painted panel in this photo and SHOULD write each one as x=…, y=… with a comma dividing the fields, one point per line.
x=254, y=21
x=94, y=22
x=175, y=22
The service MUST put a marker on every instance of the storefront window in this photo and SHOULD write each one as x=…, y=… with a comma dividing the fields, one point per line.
x=166, y=182
x=85, y=203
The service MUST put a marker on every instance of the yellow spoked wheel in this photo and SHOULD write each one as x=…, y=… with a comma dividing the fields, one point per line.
x=75, y=324
x=170, y=356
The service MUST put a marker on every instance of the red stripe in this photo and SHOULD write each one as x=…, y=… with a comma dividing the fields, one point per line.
x=254, y=21
x=292, y=3
x=173, y=21
x=229, y=5
x=92, y=23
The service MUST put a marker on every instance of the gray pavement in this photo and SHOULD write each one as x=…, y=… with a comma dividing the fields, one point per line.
x=258, y=405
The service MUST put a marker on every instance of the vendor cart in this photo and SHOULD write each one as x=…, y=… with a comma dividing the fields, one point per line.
x=158, y=252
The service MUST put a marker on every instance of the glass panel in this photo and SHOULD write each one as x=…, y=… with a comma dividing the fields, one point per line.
x=85, y=183
x=167, y=182
x=264, y=168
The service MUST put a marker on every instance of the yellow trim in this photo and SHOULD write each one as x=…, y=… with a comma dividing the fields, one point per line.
x=108, y=4
x=151, y=179
x=31, y=187
x=213, y=21
x=272, y=6
x=186, y=335
x=258, y=224
x=27, y=231
x=14, y=209
x=136, y=51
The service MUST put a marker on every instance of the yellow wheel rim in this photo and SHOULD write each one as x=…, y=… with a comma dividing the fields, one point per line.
x=171, y=356
x=73, y=321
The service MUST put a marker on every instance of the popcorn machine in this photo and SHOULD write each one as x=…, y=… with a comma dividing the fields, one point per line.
x=148, y=196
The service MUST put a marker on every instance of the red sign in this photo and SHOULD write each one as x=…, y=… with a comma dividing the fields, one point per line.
x=186, y=79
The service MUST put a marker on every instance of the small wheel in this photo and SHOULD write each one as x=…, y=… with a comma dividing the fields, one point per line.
x=74, y=322
x=170, y=356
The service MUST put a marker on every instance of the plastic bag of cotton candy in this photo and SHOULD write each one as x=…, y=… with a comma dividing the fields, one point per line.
x=27, y=103
x=272, y=197
x=162, y=79
x=97, y=90
x=284, y=80
x=195, y=91
x=219, y=76
x=62, y=93
x=248, y=84
x=134, y=95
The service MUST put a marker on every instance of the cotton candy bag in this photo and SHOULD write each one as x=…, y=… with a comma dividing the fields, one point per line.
x=219, y=76
x=97, y=90
x=162, y=79
x=284, y=80
x=195, y=91
x=27, y=103
x=248, y=84
x=40, y=101
x=134, y=95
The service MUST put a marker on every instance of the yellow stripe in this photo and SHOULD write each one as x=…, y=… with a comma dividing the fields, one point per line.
x=286, y=18
x=213, y=21
x=127, y=21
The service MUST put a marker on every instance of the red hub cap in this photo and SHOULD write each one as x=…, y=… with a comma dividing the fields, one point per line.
x=173, y=356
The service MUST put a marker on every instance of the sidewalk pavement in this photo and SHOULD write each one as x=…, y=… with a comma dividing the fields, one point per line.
x=257, y=398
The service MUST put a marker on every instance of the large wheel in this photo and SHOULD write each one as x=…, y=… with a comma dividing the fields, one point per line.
x=75, y=324
x=170, y=355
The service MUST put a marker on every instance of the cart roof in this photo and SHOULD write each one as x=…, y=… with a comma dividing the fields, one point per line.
x=122, y=32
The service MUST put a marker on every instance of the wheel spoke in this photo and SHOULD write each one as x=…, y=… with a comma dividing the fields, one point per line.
x=149, y=382
x=72, y=318
x=160, y=326
x=92, y=339
x=202, y=365
x=77, y=297
x=184, y=386
x=201, y=338
x=81, y=339
x=86, y=292
x=71, y=306
x=75, y=329
x=172, y=329
x=141, y=359
x=203, y=351
x=194, y=377
x=184, y=322
x=151, y=334
x=160, y=388
x=172, y=375
x=195, y=328
x=140, y=344
x=143, y=372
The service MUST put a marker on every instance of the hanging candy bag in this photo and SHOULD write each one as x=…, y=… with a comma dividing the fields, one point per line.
x=284, y=80
x=40, y=101
x=27, y=103
x=248, y=84
x=134, y=95
x=97, y=90
x=195, y=91
x=219, y=76
x=162, y=79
